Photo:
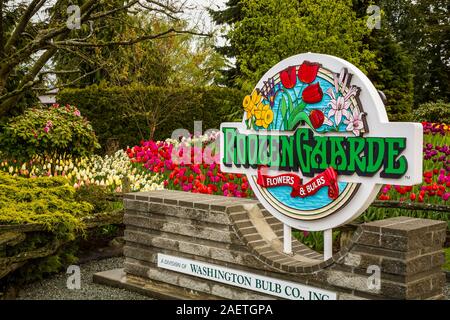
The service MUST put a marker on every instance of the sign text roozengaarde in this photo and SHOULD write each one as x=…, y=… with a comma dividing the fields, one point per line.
x=309, y=154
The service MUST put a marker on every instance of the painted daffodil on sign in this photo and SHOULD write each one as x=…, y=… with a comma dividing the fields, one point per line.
x=251, y=102
x=263, y=115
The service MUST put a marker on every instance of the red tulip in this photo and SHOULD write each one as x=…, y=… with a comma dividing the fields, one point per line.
x=384, y=197
x=317, y=118
x=288, y=77
x=308, y=71
x=312, y=94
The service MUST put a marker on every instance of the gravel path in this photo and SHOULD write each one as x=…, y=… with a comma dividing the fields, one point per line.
x=447, y=291
x=55, y=288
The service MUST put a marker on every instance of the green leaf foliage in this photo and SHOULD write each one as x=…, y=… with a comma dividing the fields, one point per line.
x=422, y=28
x=393, y=75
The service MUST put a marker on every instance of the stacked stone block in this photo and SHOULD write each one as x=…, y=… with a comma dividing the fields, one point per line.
x=241, y=234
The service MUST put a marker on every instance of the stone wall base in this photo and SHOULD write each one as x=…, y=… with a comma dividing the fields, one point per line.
x=239, y=234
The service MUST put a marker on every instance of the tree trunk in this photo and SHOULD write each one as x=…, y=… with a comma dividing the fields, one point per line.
x=3, y=78
x=6, y=106
x=152, y=130
x=9, y=103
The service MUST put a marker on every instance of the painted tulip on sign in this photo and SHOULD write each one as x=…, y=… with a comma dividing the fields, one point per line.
x=288, y=77
x=307, y=72
x=317, y=118
x=312, y=94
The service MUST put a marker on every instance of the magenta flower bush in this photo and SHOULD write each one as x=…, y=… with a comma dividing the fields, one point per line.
x=57, y=130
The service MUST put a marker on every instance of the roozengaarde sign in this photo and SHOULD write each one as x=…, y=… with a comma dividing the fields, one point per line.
x=316, y=143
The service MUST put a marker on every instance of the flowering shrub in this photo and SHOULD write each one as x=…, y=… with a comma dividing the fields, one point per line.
x=178, y=162
x=438, y=111
x=44, y=131
x=116, y=173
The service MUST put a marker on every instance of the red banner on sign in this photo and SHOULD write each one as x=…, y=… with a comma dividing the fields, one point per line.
x=328, y=178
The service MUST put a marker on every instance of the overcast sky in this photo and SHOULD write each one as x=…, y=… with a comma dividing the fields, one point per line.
x=199, y=16
x=200, y=13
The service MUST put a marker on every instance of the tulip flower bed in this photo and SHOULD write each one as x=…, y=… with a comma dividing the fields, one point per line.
x=429, y=200
x=190, y=165
x=116, y=173
x=435, y=188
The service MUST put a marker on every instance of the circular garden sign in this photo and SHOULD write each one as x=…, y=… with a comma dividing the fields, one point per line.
x=316, y=144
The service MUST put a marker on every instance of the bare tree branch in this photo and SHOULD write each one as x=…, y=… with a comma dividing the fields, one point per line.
x=1, y=30
x=20, y=89
x=411, y=206
x=42, y=41
x=28, y=80
x=59, y=71
x=29, y=12
x=168, y=14
x=71, y=82
x=171, y=31
x=166, y=7
x=36, y=9
x=113, y=11
x=81, y=55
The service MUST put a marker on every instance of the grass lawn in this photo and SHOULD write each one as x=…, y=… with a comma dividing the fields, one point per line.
x=447, y=259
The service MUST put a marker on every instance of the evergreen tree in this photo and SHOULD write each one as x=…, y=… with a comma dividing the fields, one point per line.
x=264, y=32
x=272, y=30
x=393, y=74
x=227, y=18
x=422, y=27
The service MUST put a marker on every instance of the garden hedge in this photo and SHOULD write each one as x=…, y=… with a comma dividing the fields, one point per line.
x=109, y=109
